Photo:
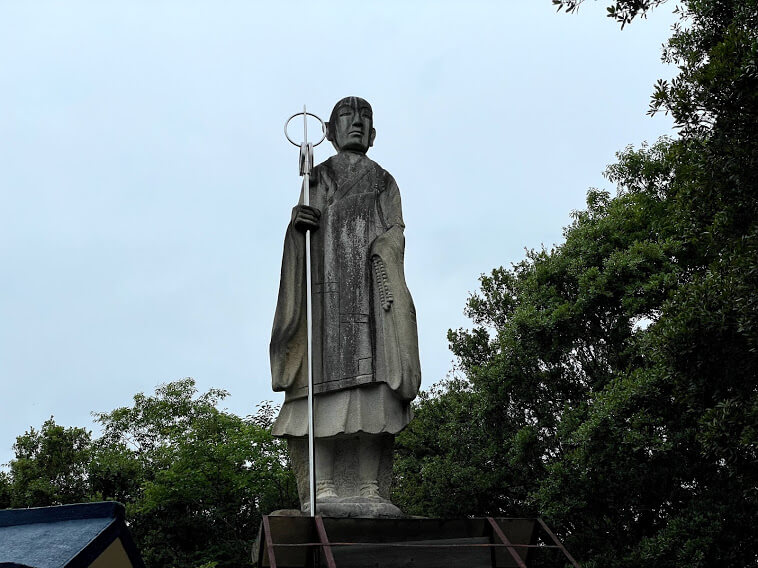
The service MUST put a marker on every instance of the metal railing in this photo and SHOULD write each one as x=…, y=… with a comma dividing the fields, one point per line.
x=304, y=537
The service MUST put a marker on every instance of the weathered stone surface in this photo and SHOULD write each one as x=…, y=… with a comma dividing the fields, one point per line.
x=365, y=346
x=356, y=507
x=346, y=467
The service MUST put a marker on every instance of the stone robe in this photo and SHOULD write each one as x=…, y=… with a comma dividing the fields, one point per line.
x=365, y=358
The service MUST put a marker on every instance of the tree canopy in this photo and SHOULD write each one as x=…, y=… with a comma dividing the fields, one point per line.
x=195, y=479
x=609, y=383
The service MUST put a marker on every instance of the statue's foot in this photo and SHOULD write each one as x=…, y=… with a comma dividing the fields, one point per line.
x=325, y=490
x=370, y=490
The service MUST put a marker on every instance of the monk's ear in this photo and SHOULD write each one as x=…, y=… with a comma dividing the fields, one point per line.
x=371, y=138
x=329, y=132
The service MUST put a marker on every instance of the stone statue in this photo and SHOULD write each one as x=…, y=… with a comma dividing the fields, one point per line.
x=365, y=344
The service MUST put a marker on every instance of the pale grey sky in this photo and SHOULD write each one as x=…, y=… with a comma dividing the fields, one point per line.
x=146, y=182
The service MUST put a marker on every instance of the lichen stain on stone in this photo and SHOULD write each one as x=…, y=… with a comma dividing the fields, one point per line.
x=352, y=243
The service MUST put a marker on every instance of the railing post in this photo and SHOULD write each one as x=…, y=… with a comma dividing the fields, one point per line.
x=269, y=542
x=504, y=539
x=558, y=543
x=324, y=542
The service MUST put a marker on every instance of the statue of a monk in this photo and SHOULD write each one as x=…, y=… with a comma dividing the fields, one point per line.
x=365, y=344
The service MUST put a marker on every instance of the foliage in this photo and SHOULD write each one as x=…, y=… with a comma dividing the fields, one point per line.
x=5, y=490
x=623, y=11
x=207, y=475
x=50, y=466
x=610, y=383
x=195, y=479
x=438, y=461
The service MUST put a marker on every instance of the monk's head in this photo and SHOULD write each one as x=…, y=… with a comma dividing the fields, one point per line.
x=351, y=125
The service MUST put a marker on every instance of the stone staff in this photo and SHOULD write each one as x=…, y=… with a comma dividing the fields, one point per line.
x=306, y=164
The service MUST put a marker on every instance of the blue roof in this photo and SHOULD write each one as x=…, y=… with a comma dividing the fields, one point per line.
x=58, y=537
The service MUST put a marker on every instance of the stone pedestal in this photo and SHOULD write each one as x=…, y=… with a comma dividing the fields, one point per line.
x=356, y=507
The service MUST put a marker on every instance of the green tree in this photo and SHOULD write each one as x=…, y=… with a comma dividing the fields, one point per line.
x=195, y=479
x=612, y=378
x=5, y=490
x=50, y=467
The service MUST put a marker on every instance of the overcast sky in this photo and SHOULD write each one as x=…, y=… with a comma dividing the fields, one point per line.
x=146, y=182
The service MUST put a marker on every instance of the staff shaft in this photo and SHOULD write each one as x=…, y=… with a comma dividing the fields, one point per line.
x=309, y=319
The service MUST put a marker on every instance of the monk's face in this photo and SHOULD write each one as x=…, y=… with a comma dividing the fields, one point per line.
x=352, y=126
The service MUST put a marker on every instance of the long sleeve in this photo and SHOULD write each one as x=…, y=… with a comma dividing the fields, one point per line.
x=396, y=330
x=288, y=345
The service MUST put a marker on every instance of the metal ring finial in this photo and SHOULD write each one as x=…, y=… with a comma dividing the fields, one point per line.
x=323, y=128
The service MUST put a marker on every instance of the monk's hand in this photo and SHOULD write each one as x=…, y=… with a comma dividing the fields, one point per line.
x=306, y=218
